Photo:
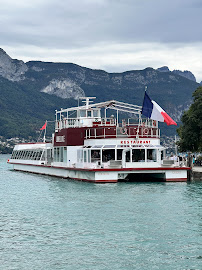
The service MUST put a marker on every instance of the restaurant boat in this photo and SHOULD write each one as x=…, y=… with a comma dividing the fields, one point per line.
x=90, y=147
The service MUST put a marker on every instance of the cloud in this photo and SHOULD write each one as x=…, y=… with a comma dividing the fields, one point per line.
x=83, y=22
x=115, y=35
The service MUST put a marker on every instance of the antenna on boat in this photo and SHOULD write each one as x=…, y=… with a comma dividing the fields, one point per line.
x=87, y=100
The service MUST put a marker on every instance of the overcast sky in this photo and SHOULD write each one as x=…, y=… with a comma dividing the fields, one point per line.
x=114, y=35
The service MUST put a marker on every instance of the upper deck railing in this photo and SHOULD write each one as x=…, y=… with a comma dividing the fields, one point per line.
x=133, y=131
x=99, y=122
x=109, y=128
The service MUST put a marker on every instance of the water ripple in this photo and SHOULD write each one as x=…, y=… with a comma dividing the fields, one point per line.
x=57, y=224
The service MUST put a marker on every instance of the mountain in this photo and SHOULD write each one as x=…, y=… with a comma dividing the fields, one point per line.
x=30, y=92
x=187, y=74
x=11, y=69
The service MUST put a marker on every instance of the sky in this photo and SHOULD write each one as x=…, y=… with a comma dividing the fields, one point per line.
x=113, y=35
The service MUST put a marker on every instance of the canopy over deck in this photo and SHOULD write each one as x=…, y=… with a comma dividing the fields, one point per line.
x=112, y=104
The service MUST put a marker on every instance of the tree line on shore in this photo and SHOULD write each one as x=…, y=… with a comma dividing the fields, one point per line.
x=190, y=131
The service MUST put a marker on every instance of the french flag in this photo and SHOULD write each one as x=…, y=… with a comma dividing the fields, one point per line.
x=153, y=111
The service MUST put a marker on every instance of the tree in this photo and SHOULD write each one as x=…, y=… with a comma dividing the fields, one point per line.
x=190, y=131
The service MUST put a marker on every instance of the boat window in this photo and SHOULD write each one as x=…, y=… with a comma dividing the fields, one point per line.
x=28, y=154
x=61, y=154
x=80, y=155
x=128, y=156
x=88, y=155
x=34, y=155
x=119, y=154
x=16, y=156
x=162, y=154
x=151, y=155
x=55, y=154
x=108, y=154
x=89, y=113
x=24, y=154
x=95, y=155
x=31, y=154
x=85, y=156
x=65, y=155
x=43, y=156
x=38, y=155
x=95, y=113
x=138, y=155
x=82, y=113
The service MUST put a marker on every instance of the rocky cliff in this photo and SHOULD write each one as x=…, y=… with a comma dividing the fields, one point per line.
x=187, y=74
x=11, y=69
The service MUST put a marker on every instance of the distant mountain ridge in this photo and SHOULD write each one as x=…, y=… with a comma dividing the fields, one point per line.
x=30, y=92
x=187, y=74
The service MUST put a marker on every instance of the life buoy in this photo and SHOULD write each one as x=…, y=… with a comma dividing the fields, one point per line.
x=154, y=123
x=123, y=131
x=145, y=131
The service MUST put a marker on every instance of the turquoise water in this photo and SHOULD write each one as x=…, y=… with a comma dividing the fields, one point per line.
x=50, y=223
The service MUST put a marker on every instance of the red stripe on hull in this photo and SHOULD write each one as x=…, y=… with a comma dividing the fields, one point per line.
x=107, y=169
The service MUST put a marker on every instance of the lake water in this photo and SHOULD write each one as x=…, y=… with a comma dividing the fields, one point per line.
x=48, y=223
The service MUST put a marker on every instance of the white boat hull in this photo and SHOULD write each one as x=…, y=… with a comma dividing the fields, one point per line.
x=105, y=175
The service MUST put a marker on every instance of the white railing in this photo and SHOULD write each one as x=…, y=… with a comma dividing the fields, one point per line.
x=81, y=122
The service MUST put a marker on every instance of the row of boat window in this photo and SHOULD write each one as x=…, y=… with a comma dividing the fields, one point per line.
x=27, y=154
x=87, y=155
x=105, y=155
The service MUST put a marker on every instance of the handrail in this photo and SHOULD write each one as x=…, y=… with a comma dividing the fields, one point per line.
x=102, y=122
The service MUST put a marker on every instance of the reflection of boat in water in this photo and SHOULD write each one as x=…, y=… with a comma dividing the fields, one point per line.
x=89, y=147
